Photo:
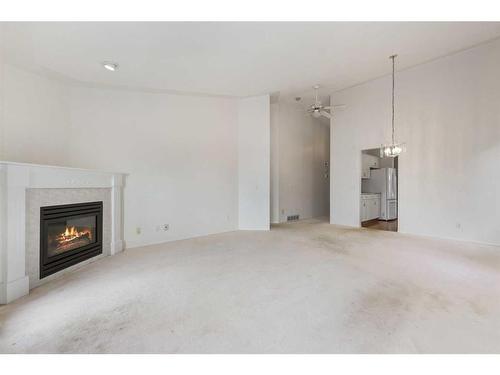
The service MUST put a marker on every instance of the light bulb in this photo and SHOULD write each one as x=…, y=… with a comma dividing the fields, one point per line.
x=111, y=66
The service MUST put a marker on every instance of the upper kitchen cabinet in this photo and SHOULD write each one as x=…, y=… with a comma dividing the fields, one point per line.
x=367, y=162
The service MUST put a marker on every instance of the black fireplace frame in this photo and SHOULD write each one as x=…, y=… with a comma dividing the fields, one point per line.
x=56, y=263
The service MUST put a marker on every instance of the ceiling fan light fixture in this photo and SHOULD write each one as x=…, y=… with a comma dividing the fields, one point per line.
x=317, y=110
x=316, y=113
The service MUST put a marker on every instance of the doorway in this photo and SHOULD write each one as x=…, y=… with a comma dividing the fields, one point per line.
x=379, y=191
x=300, y=164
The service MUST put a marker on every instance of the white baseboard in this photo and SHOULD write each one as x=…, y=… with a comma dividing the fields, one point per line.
x=16, y=289
x=116, y=247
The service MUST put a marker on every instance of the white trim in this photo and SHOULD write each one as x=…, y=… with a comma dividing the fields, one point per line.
x=116, y=247
x=16, y=289
x=5, y=162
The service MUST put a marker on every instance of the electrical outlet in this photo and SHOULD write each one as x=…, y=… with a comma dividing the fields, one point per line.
x=138, y=230
x=166, y=227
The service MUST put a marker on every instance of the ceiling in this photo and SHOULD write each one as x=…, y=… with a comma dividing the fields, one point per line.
x=234, y=59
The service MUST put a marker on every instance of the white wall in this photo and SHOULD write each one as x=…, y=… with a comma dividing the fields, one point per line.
x=3, y=204
x=254, y=162
x=180, y=153
x=300, y=148
x=35, y=117
x=2, y=89
x=275, y=157
x=448, y=113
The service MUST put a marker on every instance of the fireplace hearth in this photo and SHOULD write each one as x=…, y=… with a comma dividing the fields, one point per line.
x=69, y=234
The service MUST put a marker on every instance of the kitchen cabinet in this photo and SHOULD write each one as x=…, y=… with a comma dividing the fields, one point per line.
x=369, y=207
x=365, y=173
x=368, y=162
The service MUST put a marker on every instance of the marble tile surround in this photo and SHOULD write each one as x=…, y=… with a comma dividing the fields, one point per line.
x=36, y=198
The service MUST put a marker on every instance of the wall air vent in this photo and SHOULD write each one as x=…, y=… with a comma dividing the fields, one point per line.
x=292, y=218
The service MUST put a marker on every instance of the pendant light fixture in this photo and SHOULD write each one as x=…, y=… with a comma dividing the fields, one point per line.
x=394, y=149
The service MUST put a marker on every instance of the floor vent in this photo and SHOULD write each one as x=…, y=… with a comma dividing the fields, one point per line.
x=292, y=218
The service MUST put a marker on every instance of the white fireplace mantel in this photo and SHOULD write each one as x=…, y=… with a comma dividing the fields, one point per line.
x=15, y=178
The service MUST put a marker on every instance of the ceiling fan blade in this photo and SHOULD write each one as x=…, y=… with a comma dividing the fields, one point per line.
x=335, y=106
x=325, y=114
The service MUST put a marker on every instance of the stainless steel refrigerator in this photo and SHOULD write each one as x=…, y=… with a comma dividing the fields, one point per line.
x=384, y=181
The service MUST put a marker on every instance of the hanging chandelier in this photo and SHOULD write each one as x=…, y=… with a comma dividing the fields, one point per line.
x=394, y=149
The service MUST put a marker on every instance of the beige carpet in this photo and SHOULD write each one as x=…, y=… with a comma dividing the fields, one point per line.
x=306, y=287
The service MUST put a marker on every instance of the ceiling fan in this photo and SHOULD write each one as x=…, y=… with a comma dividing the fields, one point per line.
x=317, y=109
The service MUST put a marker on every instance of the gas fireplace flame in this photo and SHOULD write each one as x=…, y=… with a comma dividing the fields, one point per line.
x=71, y=233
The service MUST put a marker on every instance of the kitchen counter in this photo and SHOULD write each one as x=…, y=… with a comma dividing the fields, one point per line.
x=370, y=195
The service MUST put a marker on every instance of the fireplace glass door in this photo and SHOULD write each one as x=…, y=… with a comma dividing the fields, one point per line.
x=69, y=234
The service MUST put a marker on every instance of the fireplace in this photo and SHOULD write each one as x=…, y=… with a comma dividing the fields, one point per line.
x=69, y=234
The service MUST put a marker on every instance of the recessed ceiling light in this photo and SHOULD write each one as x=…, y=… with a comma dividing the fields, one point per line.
x=111, y=66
